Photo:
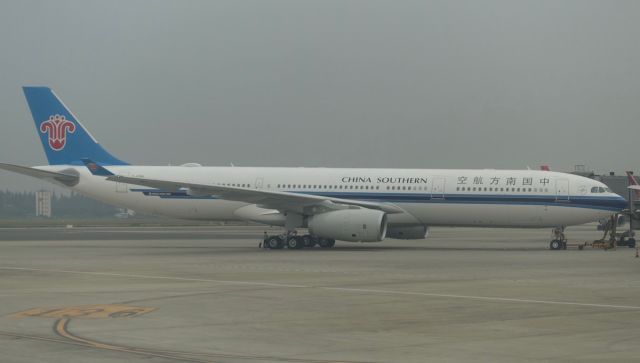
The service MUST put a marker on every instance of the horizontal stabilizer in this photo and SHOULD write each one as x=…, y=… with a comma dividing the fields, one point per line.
x=67, y=178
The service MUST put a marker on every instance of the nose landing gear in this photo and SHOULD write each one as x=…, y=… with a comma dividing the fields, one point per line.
x=559, y=241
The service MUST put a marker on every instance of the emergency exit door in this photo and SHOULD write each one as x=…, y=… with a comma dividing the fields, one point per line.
x=437, y=187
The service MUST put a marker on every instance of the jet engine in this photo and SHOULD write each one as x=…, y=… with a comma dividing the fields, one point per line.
x=408, y=232
x=354, y=225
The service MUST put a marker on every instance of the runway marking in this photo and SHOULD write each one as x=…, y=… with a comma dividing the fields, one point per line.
x=61, y=327
x=329, y=288
x=103, y=311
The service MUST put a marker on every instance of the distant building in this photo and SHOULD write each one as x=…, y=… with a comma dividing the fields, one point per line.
x=43, y=203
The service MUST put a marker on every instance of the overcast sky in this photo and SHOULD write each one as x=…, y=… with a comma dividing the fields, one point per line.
x=415, y=84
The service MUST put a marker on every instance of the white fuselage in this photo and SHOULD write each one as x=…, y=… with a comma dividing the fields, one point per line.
x=431, y=197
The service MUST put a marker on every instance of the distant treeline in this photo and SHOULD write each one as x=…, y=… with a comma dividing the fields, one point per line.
x=23, y=205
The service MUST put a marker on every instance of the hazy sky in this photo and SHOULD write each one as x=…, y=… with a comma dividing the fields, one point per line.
x=419, y=84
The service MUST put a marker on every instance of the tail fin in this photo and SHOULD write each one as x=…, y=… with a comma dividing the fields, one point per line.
x=633, y=184
x=63, y=137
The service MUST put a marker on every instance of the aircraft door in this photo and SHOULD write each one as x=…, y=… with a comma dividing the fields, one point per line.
x=437, y=187
x=562, y=190
x=259, y=182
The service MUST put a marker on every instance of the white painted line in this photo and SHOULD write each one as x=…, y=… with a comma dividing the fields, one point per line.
x=328, y=288
x=487, y=298
x=232, y=282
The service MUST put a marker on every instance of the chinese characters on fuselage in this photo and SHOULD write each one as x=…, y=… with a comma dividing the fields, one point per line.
x=508, y=181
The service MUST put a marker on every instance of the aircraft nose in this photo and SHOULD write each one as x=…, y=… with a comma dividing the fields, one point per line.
x=620, y=203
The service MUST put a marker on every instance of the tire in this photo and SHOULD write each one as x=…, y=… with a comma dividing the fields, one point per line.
x=325, y=243
x=308, y=241
x=555, y=245
x=274, y=243
x=295, y=243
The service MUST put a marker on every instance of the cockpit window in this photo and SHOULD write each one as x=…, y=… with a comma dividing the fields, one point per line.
x=600, y=190
x=594, y=190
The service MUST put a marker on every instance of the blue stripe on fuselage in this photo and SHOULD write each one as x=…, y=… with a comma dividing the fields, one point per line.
x=611, y=203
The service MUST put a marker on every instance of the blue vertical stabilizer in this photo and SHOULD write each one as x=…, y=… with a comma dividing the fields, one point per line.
x=63, y=137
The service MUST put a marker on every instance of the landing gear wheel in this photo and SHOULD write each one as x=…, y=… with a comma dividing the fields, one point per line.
x=295, y=243
x=326, y=243
x=556, y=244
x=274, y=243
x=308, y=241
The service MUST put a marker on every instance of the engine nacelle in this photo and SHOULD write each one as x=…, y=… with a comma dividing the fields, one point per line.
x=408, y=232
x=354, y=225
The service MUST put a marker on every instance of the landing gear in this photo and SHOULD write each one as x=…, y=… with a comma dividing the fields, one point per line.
x=557, y=245
x=274, y=242
x=293, y=242
x=326, y=242
x=559, y=241
x=308, y=241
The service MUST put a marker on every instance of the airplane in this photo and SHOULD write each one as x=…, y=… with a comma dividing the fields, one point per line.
x=353, y=205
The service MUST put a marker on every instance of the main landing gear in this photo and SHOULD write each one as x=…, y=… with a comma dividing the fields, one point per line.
x=294, y=242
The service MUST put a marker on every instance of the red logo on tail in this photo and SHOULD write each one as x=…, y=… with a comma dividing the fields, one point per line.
x=57, y=127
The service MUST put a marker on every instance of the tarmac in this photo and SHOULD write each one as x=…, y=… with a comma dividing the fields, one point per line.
x=209, y=294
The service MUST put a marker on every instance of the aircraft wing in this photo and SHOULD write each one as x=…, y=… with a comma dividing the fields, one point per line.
x=41, y=174
x=296, y=202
